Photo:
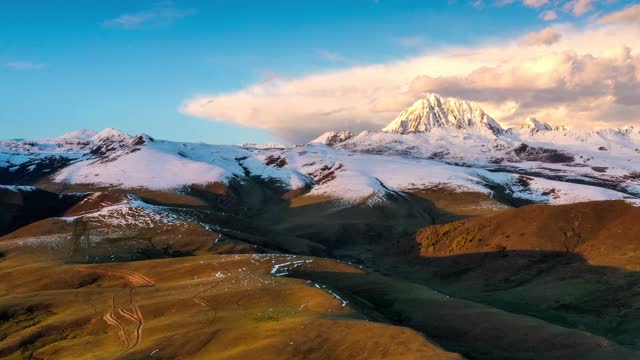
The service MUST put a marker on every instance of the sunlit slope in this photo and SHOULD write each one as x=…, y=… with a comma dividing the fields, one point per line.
x=223, y=307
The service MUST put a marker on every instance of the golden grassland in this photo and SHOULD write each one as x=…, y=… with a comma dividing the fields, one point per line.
x=210, y=306
x=131, y=284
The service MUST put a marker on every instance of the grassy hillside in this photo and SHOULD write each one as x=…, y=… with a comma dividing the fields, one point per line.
x=225, y=272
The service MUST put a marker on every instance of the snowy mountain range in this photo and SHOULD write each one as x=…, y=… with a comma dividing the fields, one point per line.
x=461, y=133
x=436, y=143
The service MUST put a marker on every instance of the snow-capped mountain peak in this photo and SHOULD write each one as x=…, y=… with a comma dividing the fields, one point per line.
x=81, y=135
x=112, y=135
x=333, y=138
x=435, y=111
x=629, y=129
x=535, y=125
x=110, y=140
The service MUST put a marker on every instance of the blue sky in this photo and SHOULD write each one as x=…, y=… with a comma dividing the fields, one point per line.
x=130, y=64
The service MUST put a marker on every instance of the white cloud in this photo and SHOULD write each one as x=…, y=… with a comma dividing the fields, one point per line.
x=330, y=55
x=546, y=36
x=527, y=3
x=630, y=15
x=576, y=7
x=478, y=4
x=549, y=15
x=24, y=65
x=535, y=3
x=161, y=13
x=589, y=77
x=579, y=7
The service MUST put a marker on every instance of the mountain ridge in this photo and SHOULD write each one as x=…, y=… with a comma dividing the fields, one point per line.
x=477, y=154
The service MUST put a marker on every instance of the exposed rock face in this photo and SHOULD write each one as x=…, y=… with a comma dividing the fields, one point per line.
x=525, y=152
x=108, y=141
x=435, y=111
